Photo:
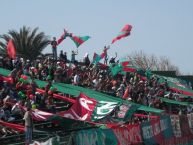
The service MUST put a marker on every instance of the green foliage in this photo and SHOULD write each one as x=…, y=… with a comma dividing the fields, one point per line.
x=29, y=43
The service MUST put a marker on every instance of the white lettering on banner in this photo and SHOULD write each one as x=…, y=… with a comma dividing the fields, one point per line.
x=84, y=103
x=105, y=108
x=89, y=138
x=128, y=136
x=176, y=125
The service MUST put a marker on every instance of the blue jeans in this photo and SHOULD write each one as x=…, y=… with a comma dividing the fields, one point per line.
x=54, y=51
x=28, y=135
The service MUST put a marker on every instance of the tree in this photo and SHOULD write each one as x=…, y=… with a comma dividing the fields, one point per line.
x=28, y=42
x=142, y=60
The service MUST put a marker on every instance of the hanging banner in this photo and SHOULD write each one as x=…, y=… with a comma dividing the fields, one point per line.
x=175, y=120
x=95, y=137
x=166, y=127
x=157, y=131
x=128, y=135
x=185, y=129
x=151, y=132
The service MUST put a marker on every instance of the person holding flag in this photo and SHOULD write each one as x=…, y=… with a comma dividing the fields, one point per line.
x=55, y=43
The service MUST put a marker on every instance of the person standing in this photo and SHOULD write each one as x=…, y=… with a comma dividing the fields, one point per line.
x=28, y=126
x=73, y=59
x=105, y=54
x=65, y=57
x=54, y=48
x=61, y=55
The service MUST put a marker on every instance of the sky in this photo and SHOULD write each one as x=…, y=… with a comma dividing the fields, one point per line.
x=160, y=27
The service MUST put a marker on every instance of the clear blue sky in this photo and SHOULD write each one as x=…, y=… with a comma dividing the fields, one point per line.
x=160, y=27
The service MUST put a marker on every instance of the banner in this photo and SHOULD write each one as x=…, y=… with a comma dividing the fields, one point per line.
x=39, y=115
x=102, y=109
x=166, y=127
x=128, y=134
x=82, y=109
x=157, y=131
x=175, y=120
x=126, y=111
x=185, y=129
x=89, y=109
x=95, y=137
x=151, y=132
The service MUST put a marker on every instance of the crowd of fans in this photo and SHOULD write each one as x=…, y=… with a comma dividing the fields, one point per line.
x=86, y=74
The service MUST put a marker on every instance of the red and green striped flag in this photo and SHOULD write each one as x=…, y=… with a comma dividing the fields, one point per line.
x=78, y=40
x=62, y=37
x=124, y=33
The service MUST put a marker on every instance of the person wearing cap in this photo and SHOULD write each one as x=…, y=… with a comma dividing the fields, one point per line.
x=28, y=126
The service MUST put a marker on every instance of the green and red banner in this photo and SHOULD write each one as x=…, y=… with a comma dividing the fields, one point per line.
x=128, y=134
x=88, y=109
x=157, y=131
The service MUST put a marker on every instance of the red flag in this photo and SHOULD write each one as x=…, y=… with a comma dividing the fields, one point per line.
x=62, y=37
x=124, y=33
x=11, y=49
